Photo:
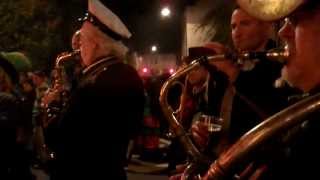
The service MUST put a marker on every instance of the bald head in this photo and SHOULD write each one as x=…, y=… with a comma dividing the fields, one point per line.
x=248, y=33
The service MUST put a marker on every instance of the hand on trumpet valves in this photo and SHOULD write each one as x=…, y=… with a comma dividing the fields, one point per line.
x=227, y=66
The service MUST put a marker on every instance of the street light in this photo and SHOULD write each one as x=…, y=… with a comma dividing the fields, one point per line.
x=165, y=12
x=154, y=48
x=171, y=70
x=145, y=70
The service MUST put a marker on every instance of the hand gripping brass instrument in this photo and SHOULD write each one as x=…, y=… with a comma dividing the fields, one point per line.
x=175, y=126
x=52, y=103
x=56, y=96
x=239, y=153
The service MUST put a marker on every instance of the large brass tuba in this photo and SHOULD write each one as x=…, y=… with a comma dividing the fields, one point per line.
x=269, y=10
x=176, y=127
x=239, y=153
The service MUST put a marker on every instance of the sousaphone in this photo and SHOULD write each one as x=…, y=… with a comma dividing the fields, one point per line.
x=269, y=10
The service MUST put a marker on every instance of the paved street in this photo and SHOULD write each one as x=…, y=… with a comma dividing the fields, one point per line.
x=146, y=177
x=141, y=170
x=137, y=170
x=131, y=176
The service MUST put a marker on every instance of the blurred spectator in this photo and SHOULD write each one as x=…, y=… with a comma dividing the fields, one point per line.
x=14, y=125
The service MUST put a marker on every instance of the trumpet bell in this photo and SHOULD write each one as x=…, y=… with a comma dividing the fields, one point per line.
x=269, y=10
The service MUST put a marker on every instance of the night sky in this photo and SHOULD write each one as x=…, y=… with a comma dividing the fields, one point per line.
x=147, y=26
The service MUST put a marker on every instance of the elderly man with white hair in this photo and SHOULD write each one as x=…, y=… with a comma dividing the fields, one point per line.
x=109, y=99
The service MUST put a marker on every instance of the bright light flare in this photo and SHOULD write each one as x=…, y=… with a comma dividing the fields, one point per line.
x=154, y=48
x=145, y=70
x=165, y=12
x=171, y=70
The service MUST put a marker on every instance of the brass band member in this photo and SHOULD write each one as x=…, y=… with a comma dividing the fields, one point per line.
x=301, y=33
x=203, y=89
x=252, y=91
x=255, y=97
x=108, y=99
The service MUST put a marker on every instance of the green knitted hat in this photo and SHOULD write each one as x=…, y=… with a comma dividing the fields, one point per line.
x=18, y=60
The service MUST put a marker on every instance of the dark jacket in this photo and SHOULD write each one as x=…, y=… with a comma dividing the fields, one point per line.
x=14, y=162
x=9, y=120
x=105, y=111
x=256, y=97
x=301, y=151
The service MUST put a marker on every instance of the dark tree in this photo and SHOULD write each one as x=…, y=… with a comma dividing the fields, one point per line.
x=39, y=28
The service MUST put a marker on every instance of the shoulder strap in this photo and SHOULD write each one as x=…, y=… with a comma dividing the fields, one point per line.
x=252, y=105
x=225, y=114
x=226, y=107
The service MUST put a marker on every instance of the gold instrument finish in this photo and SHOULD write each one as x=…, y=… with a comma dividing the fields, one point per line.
x=65, y=56
x=269, y=10
x=174, y=124
x=279, y=55
x=57, y=94
x=54, y=99
x=239, y=153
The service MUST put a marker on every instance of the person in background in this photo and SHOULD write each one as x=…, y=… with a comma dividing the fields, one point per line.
x=203, y=90
x=40, y=80
x=14, y=126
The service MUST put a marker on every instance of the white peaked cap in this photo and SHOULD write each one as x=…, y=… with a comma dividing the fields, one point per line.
x=108, y=18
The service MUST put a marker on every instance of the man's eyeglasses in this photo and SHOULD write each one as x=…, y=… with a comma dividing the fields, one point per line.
x=305, y=11
x=292, y=20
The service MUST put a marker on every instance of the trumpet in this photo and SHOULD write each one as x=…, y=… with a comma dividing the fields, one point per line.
x=175, y=126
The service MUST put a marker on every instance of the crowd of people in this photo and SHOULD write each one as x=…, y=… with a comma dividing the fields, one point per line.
x=108, y=104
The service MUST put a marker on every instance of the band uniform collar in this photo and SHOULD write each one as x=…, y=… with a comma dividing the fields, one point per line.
x=95, y=64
